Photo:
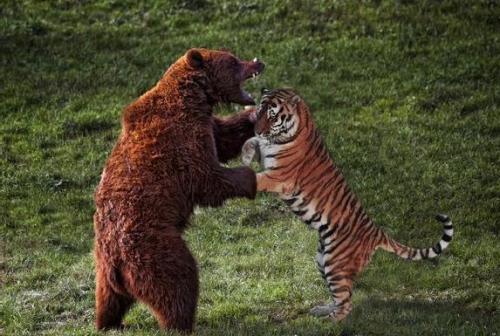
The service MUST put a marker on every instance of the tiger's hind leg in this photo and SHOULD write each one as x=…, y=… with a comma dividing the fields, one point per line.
x=341, y=291
x=340, y=287
x=322, y=310
x=341, y=306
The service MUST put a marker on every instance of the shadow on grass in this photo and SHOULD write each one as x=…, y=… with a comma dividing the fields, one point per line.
x=380, y=316
x=73, y=129
x=276, y=209
x=372, y=316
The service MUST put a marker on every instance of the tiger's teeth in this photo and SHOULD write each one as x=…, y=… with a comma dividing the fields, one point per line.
x=254, y=75
x=255, y=60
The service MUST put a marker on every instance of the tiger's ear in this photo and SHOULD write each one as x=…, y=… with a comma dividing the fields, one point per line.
x=264, y=91
x=295, y=100
x=194, y=59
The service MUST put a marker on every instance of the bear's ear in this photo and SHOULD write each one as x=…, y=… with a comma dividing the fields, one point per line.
x=194, y=59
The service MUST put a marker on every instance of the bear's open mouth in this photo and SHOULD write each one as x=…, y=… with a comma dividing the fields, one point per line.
x=256, y=68
x=250, y=70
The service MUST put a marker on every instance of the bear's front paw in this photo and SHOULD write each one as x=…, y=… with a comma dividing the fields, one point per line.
x=248, y=182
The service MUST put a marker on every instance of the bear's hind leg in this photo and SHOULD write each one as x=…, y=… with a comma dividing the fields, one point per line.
x=110, y=306
x=168, y=283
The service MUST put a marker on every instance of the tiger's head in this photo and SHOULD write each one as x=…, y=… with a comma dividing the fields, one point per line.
x=279, y=115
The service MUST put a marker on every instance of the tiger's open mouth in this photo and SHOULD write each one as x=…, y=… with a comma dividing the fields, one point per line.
x=250, y=70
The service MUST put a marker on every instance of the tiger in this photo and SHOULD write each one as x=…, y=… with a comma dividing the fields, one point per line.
x=297, y=166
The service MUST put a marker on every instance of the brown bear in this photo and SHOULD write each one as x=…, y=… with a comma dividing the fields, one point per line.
x=166, y=161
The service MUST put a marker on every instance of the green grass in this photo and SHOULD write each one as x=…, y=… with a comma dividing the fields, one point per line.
x=407, y=97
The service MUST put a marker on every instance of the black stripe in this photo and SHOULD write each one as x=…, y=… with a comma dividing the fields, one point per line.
x=289, y=128
x=341, y=289
x=304, y=202
x=328, y=233
x=336, y=278
x=341, y=199
x=338, y=243
x=299, y=212
x=339, y=183
x=448, y=227
x=290, y=201
x=442, y=218
x=359, y=211
x=437, y=249
x=343, y=302
x=316, y=217
x=330, y=249
x=365, y=220
x=278, y=142
x=278, y=126
x=446, y=238
x=413, y=254
x=274, y=168
x=322, y=227
x=349, y=199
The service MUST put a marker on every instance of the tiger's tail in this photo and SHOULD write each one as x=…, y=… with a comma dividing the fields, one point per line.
x=411, y=253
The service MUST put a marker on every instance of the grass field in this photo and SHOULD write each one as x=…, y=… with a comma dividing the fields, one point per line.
x=406, y=94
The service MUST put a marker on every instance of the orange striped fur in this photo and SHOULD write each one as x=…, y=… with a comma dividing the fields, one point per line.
x=298, y=167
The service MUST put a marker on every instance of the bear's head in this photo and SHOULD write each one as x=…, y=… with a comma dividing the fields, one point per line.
x=225, y=74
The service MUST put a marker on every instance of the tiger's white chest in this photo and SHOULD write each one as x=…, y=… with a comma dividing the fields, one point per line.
x=267, y=153
x=306, y=209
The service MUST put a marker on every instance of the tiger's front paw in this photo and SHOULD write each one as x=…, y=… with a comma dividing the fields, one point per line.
x=248, y=151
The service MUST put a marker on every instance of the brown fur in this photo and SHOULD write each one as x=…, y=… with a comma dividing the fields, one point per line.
x=165, y=162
